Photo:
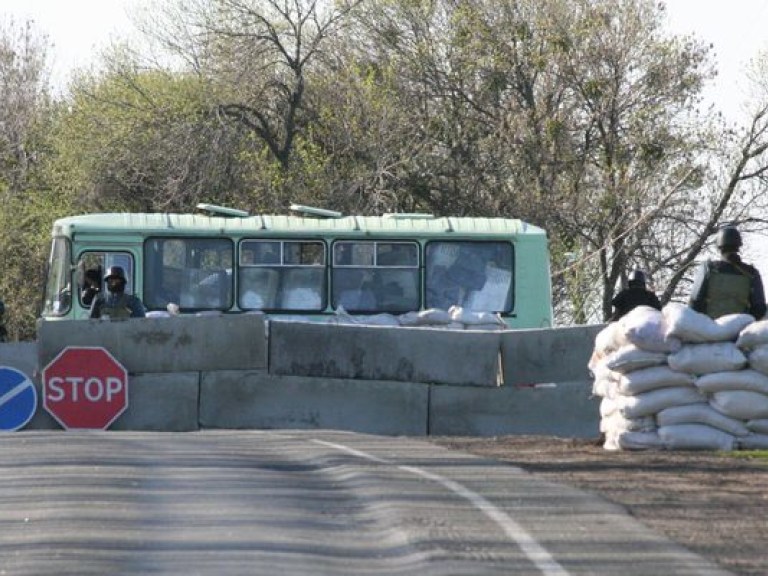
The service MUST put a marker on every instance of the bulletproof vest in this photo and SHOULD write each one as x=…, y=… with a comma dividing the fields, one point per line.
x=116, y=308
x=728, y=293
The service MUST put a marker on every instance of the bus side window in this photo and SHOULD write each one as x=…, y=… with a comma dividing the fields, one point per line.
x=474, y=275
x=258, y=288
x=302, y=289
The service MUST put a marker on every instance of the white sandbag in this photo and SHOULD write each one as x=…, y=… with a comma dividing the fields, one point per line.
x=757, y=358
x=701, y=414
x=731, y=325
x=610, y=339
x=640, y=381
x=655, y=401
x=629, y=440
x=608, y=406
x=617, y=423
x=746, y=379
x=630, y=357
x=690, y=326
x=345, y=318
x=645, y=327
x=430, y=317
x=606, y=385
x=706, y=358
x=741, y=404
x=759, y=425
x=754, y=442
x=468, y=317
x=695, y=437
x=753, y=335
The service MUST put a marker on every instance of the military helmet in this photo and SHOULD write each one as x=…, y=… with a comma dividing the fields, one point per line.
x=115, y=272
x=636, y=278
x=728, y=237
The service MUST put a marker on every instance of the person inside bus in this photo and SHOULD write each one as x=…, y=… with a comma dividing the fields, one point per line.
x=91, y=286
x=117, y=304
x=453, y=285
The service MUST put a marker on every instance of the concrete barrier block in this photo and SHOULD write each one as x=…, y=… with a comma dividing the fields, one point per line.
x=151, y=345
x=384, y=353
x=255, y=399
x=19, y=355
x=547, y=355
x=22, y=356
x=567, y=410
x=158, y=402
x=161, y=402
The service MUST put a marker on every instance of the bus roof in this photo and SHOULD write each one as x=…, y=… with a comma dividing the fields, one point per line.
x=200, y=224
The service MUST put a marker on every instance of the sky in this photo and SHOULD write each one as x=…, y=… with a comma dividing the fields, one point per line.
x=79, y=29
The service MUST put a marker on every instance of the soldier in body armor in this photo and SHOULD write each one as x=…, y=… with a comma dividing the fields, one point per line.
x=117, y=304
x=728, y=285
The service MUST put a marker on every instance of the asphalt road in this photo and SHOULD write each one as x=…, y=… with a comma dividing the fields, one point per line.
x=301, y=502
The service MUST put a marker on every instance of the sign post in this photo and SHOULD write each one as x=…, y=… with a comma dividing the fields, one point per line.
x=18, y=399
x=85, y=388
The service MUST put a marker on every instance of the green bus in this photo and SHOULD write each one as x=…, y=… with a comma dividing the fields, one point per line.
x=313, y=263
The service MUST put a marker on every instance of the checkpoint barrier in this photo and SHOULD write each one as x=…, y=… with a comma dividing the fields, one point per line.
x=240, y=371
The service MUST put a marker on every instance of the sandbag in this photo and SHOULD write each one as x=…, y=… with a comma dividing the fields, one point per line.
x=695, y=437
x=430, y=317
x=746, y=379
x=732, y=324
x=606, y=385
x=630, y=357
x=628, y=440
x=470, y=318
x=754, y=442
x=741, y=404
x=645, y=327
x=652, y=378
x=759, y=425
x=655, y=401
x=758, y=358
x=701, y=414
x=690, y=326
x=754, y=335
x=706, y=358
x=608, y=406
x=617, y=423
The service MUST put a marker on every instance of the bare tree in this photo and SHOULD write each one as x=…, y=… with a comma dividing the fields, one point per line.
x=258, y=53
x=23, y=92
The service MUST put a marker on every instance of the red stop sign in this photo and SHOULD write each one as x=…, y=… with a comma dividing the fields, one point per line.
x=85, y=388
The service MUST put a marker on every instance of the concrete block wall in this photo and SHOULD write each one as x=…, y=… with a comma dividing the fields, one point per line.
x=239, y=371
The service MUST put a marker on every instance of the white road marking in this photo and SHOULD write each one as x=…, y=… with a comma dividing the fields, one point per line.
x=13, y=392
x=534, y=551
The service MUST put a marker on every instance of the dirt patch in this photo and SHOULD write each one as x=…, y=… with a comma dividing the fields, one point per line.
x=714, y=504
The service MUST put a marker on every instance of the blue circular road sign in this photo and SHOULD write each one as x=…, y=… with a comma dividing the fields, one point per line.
x=18, y=399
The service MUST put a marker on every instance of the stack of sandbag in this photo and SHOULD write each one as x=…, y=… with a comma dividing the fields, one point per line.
x=710, y=354
x=635, y=381
x=677, y=379
x=744, y=395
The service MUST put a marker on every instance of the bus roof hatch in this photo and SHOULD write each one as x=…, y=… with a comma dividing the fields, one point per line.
x=214, y=210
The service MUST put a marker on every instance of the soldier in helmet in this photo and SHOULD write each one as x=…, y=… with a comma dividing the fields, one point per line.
x=117, y=304
x=635, y=294
x=728, y=285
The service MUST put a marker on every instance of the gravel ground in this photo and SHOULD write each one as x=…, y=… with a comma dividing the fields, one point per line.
x=715, y=504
